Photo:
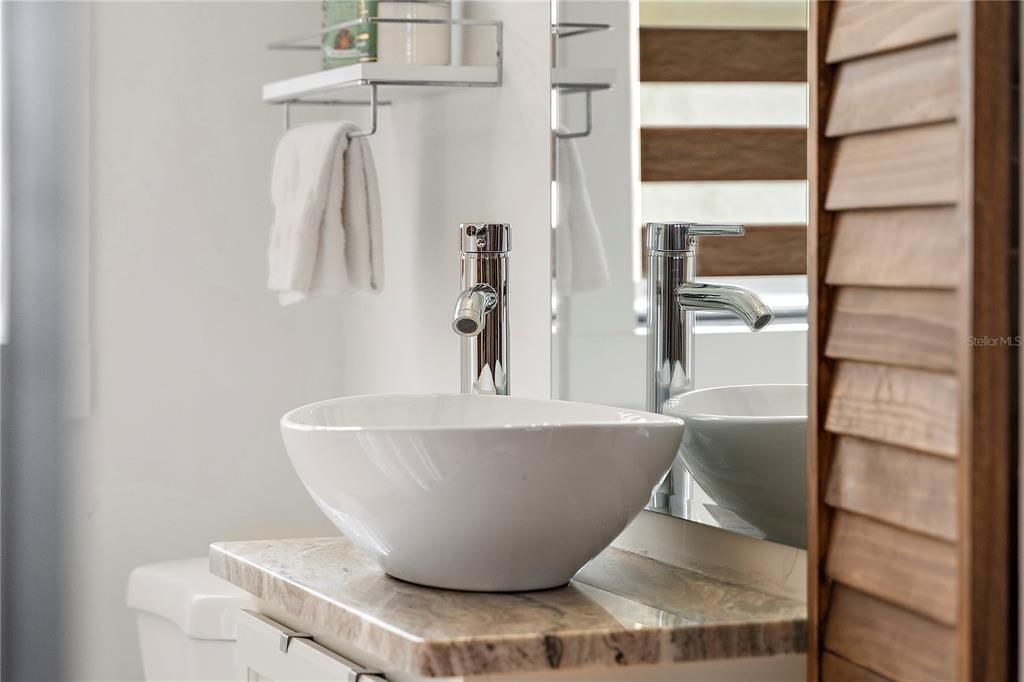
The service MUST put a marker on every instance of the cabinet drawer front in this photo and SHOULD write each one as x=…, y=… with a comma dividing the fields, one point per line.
x=267, y=650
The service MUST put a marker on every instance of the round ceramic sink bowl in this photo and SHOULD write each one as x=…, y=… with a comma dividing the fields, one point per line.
x=475, y=492
x=745, y=446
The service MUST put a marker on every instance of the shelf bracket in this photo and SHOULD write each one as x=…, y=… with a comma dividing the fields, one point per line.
x=374, y=103
x=590, y=121
x=373, y=116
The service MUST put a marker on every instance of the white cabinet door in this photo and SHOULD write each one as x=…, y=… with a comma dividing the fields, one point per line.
x=268, y=651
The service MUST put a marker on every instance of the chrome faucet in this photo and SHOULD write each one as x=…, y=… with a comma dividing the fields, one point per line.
x=672, y=298
x=481, y=310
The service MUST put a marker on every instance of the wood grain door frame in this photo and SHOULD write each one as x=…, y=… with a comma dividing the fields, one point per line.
x=986, y=357
x=989, y=428
x=820, y=77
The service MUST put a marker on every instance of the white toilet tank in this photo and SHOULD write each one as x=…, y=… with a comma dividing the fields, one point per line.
x=186, y=619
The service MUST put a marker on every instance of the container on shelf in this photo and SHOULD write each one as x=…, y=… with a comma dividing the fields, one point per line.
x=357, y=41
x=414, y=43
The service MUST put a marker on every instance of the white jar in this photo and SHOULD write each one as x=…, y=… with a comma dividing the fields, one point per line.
x=410, y=43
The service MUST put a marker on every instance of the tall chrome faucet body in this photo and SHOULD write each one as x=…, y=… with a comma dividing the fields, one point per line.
x=481, y=310
x=672, y=298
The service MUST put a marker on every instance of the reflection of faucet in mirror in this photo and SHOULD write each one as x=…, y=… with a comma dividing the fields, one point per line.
x=481, y=310
x=672, y=298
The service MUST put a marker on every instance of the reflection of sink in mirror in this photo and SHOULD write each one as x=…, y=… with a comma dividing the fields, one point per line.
x=476, y=492
x=645, y=150
x=745, y=445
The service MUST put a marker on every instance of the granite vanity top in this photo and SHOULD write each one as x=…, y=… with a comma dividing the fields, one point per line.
x=622, y=609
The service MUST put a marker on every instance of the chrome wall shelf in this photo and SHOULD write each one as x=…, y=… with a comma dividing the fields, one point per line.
x=346, y=85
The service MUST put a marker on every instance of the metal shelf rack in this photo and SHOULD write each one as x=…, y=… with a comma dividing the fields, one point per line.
x=346, y=85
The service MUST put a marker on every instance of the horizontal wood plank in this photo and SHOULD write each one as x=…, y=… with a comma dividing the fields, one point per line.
x=837, y=669
x=907, y=407
x=678, y=154
x=863, y=27
x=902, y=487
x=919, y=247
x=905, y=327
x=899, y=566
x=721, y=55
x=896, y=89
x=764, y=250
x=888, y=639
x=907, y=167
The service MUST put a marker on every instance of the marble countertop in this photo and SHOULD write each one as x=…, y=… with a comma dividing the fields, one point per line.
x=622, y=609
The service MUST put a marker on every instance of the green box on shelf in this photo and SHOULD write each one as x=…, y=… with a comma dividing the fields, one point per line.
x=357, y=41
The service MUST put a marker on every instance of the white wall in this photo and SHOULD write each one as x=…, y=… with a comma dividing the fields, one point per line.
x=193, y=360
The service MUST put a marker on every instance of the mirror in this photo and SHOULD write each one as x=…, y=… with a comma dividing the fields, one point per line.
x=687, y=112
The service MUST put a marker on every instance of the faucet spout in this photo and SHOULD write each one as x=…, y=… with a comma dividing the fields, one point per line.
x=471, y=309
x=743, y=303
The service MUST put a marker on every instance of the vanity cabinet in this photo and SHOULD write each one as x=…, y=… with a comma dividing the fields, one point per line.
x=267, y=651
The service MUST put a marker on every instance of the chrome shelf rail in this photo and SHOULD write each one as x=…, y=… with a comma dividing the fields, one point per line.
x=568, y=29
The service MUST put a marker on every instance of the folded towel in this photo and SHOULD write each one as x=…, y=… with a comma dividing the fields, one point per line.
x=326, y=237
x=580, y=263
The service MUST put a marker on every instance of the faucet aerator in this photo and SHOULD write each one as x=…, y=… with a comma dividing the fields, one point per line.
x=762, y=321
x=465, y=326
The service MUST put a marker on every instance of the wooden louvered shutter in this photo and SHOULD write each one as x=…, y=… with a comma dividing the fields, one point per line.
x=912, y=277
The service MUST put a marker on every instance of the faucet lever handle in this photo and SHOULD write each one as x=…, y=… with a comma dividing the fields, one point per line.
x=674, y=237
x=719, y=230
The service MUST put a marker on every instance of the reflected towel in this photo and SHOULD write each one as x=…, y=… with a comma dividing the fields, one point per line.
x=326, y=238
x=580, y=263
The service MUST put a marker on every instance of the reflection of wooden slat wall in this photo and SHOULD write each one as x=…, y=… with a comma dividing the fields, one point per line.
x=722, y=55
x=910, y=254
x=728, y=154
x=675, y=154
x=764, y=250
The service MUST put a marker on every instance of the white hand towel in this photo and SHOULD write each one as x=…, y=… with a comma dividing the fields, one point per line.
x=326, y=238
x=580, y=263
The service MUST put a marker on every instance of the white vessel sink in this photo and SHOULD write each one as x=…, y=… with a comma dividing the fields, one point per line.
x=476, y=492
x=745, y=445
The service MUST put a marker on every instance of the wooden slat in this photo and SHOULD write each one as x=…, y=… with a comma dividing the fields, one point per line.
x=837, y=669
x=867, y=26
x=710, y=55
x=896, y=89
x=919, y=247
x=904, y=488
x=905, y=327
x=899, y=566
x=908, y=167
x=764, y=250
x=907, y=407
x=673, y=154
x=889, y=640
